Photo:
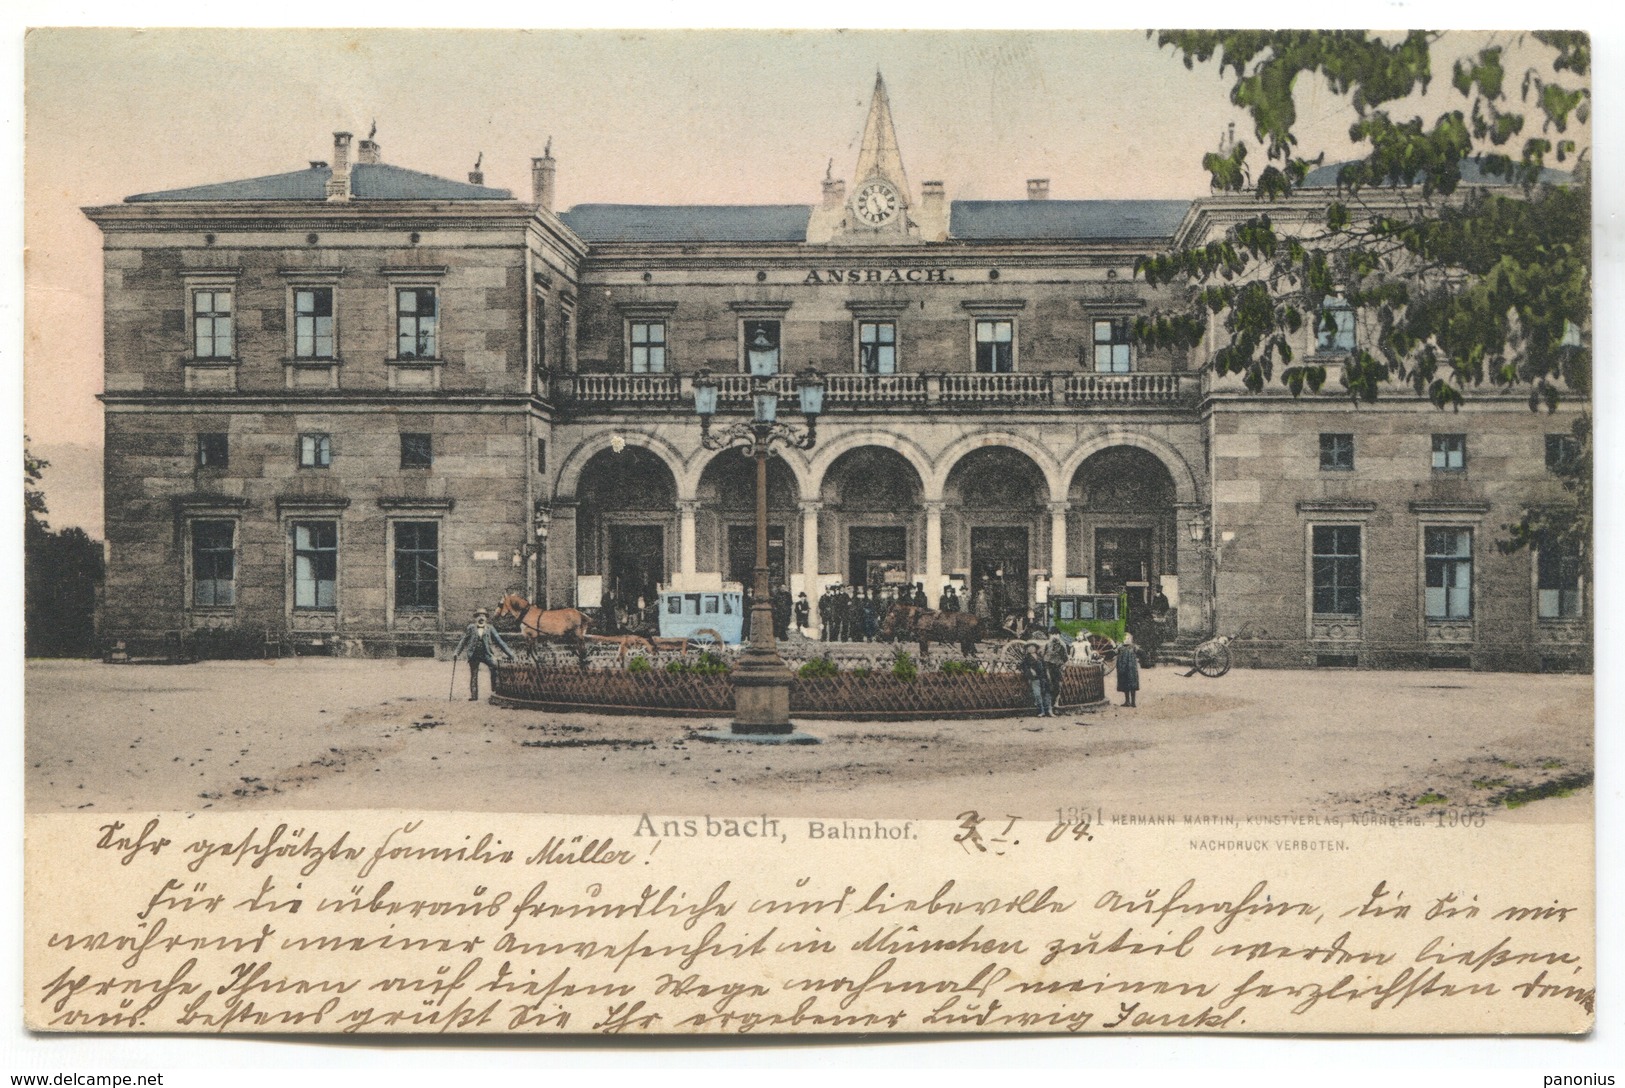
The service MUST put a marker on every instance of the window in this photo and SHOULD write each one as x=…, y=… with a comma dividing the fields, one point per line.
x=995, y=346
x=1449, y=576
x=417, y=451
x=417, y=564
x=1557, y=570
x=1336, y=563
x=1450, y=453
x=1562, y=452
x=1113, y=349
x=541, y=455
x=313, y=323
x=648, y=347
x=1335, y=332
x=214, y=564
x=761, y=347
x=212, y=450
x=315, y=565
x=211, y=324
x=315, y=451
x=416, y=316
x=1337, y=453
x=877, y=347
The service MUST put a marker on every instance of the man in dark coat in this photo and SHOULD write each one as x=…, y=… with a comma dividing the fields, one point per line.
x=482, y=642
x=803, y=612
x=1037, y=677
x=1128, y=670
x=783, y=607
x=950, y=599
x=1057, y=652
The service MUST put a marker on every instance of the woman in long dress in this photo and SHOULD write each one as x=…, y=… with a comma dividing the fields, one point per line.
x=1128, y=670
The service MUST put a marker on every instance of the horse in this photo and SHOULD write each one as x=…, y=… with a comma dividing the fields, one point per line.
x=566, y=625
x=926, y=626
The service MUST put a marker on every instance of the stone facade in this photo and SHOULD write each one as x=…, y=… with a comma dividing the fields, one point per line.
x=987, y=421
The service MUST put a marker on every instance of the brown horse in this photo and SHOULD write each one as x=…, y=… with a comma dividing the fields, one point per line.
x=927, y=626
x=566, y=625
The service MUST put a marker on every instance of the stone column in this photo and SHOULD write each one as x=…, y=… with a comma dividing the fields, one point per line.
x=1194, y=563
x=561, y=558
x=809, y=556
x=1057, y=545
x=933, y=551
x=687, y=548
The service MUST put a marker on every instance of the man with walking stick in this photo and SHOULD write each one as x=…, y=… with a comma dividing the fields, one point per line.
x=482, y=642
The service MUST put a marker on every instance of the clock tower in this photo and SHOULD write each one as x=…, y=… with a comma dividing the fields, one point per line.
x=878, y=210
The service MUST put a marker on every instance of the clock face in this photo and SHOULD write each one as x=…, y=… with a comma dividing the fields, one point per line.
x=875, y=203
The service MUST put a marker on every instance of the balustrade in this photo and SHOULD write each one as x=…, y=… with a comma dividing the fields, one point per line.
x=1003, y=388
x=860, y=391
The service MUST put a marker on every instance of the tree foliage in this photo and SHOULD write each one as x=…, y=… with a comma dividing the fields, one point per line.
x=1462, y=285
x=1459, y=286
x=61, y=570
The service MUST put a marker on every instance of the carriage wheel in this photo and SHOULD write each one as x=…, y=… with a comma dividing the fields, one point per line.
x=1212, y=659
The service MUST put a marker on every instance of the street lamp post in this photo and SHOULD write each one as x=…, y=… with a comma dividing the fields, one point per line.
x=761, y=679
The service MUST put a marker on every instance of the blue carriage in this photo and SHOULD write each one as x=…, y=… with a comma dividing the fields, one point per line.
x=695, y=615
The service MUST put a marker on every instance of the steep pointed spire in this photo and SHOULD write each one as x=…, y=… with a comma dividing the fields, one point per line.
x=880, y=155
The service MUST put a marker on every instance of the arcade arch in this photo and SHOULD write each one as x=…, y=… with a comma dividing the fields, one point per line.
x=870, y=530
x=1121, y=521
x=626, y=520
x=725, y=518
x=994, y=529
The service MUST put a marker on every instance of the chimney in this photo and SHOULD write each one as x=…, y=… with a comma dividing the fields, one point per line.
x=369, y=152
x=1038, y=188
x=338, y=186
x=931, y=194
x=542, y=172
x=834, y=192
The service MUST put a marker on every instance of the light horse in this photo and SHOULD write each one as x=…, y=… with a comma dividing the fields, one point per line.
x=566, y=625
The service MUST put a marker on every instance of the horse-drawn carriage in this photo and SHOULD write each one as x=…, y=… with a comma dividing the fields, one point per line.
x=711, y=615
x=710, y=621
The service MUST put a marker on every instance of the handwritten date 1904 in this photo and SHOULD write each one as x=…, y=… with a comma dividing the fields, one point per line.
x=983, y=835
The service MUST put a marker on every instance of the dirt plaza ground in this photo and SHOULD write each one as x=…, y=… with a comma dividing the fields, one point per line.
x=327, y=734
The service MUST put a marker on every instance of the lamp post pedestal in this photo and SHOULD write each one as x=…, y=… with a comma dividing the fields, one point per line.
x=761, y=695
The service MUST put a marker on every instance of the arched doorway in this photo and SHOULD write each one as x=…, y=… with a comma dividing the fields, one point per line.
x=626, y=525
x=994, y=527
x=871, y=498
x=726, y=523
x=1122, y=520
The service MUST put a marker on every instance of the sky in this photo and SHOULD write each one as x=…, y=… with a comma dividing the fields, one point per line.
x=656, y=117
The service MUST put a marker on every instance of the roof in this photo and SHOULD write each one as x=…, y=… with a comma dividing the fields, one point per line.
x=972, y=220
x=368, y=181
x=689, y=222
x=1064, y=220
x=1472, y=173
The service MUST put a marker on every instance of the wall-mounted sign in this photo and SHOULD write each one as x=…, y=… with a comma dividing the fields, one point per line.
x=878, y=275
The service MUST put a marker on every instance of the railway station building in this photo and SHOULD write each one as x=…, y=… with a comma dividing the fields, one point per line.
x=355, y=402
